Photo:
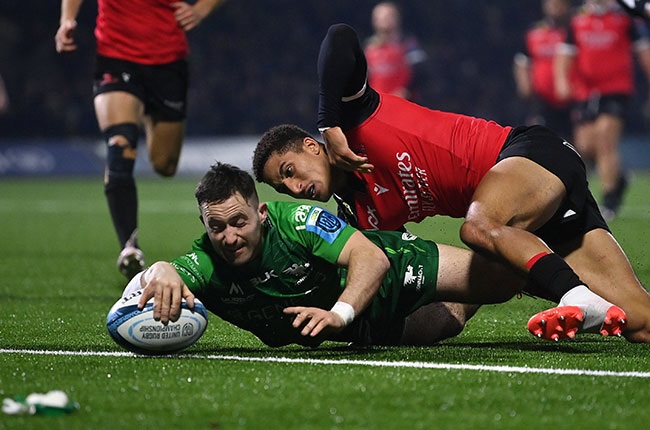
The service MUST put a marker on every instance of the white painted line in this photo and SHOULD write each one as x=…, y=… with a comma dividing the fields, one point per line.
x=369, y=363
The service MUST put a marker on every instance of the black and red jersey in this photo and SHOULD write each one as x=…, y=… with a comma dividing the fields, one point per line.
x=141, y=31
x=604, y=62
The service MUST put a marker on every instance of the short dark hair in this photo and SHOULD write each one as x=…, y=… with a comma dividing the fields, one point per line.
x=223, y=181
x=279, y=139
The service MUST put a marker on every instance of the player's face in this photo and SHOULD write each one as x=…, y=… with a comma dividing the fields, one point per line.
x=556, y=9
x=235, y=228
x=385, y=18
x=303, y=175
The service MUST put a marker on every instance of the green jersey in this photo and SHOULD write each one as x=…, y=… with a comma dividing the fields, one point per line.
x=298, y=268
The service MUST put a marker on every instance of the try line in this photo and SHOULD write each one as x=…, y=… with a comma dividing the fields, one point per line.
x=369, y=363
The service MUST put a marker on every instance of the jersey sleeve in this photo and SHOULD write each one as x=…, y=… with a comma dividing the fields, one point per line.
x=196, y=266
x=319, y=231
x=342, y=72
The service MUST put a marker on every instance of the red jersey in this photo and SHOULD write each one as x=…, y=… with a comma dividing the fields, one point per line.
x=604, y=62
x=388, y=68
x=141, y=31
x=541, y=44
x=427, y=162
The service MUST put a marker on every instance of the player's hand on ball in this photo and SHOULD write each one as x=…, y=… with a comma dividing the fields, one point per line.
x=162, y=282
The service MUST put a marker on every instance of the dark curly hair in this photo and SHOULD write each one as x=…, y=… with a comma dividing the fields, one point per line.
x=279, y=139
x=223, y=181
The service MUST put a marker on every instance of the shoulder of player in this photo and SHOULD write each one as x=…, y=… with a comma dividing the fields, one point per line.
x=292, y=214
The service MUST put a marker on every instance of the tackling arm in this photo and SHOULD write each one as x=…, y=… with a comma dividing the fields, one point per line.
x=342, y=71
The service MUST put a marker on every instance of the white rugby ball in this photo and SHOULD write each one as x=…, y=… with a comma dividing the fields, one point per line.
x=137, y=331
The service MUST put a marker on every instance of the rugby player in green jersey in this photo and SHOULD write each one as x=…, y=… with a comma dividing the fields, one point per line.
x=295, y=273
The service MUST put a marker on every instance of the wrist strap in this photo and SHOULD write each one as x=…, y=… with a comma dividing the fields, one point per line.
x=344, y=310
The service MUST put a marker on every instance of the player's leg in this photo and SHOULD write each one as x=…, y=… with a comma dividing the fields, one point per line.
x=164, y=142
x=467, y=277
x=603, y=265
x=584, y=140
x=607, y=131
x=518, y=196
x=118, y=115
x=165, y=115
x=436, y=321
x=515, y=197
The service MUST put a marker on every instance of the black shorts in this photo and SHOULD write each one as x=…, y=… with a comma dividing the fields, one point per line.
x=162, y=88
x=579, y=212
x=588, y=110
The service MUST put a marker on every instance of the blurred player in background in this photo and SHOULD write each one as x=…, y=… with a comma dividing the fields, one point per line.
x=395, y=60
x=140, y=79
x=522, y=192
x=599, y=52
x=534, y=72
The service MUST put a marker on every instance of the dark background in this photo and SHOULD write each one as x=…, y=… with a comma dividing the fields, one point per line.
x=253, y=63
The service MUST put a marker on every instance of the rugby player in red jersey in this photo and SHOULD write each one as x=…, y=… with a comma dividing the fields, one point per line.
x=600, y=48
x=140, y=79
x=522, y=191
x=395, y=60
x=534, y=72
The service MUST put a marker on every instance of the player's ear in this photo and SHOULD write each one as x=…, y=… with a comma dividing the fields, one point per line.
x=263, y=211
x=201, y=219
x=311, y=145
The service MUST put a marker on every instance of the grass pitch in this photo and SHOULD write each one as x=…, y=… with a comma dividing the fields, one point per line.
x=59, y=280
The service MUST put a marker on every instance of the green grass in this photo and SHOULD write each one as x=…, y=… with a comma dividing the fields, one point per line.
x=58, y=281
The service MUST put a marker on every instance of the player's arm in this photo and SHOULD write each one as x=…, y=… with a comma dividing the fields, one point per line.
x=64, y=38
x=342, y=71
x=339, y=151
x=561, y=66
x=189, y=16
x=367, y=266
x=521, y=74
x=162, y=282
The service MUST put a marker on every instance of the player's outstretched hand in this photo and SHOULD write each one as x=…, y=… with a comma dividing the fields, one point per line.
x=340, y=154
x=162, y=282
x=313, y=321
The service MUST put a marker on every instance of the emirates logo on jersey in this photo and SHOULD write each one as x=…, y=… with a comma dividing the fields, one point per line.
x=373, y=219
x=415, y=187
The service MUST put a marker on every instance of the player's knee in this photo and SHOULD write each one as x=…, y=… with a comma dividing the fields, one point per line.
x=122, y=140
x=165, y=166
x=475, y=234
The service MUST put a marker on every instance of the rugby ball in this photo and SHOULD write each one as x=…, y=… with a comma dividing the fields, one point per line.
x=138, y=332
